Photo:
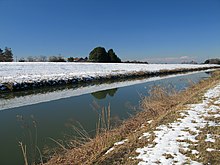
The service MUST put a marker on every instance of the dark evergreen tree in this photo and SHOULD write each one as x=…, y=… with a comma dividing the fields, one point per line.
x=212, y=61
x=70, y=59
x=113, y=57
x=1, y=55
x=99, y=54
x=6, y=56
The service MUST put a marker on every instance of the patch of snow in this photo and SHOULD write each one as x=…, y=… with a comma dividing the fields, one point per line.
x=110, y=150
x=209, y=138
x=145, y=135
x=116, y=144
x=182, y=114
x=213, y=108
x=121, y=142
x=217, y=102
x=195, y=152
x=213, y=124
x=216, y=115
x=212, y=94
x=210, y=149
x=150, y=121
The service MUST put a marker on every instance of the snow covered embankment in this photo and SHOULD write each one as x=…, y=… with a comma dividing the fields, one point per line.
x=173, y=141
x=20, y=76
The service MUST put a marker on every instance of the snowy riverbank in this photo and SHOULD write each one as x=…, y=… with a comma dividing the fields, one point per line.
x=29, y=99
x=193, y=138
x=19, y=76
x=173, y=140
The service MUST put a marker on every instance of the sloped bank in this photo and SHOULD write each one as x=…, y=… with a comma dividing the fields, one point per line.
x=118, y=145
x=11, y=86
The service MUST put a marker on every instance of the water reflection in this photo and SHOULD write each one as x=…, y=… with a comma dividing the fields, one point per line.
x=102, y=94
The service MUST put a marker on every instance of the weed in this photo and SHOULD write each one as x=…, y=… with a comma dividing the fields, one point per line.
x=29, y=143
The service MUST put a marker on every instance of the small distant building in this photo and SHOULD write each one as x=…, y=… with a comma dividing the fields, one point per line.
x=80, y=59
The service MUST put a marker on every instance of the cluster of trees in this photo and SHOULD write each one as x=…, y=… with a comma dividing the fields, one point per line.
x=99, y=54
x=43, y=59
x=52, y=59
x=6, y=55
x=56, y=59
x=191, y=62
x=212, y=61
x=136, y=62
x=34, y=59
x=76, y=59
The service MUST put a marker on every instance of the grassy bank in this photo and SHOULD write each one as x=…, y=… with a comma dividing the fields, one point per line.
x=163, y=106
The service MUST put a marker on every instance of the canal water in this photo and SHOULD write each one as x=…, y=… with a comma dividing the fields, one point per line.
x=35, y=119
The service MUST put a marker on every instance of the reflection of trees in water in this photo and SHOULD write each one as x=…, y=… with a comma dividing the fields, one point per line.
x=102, y=94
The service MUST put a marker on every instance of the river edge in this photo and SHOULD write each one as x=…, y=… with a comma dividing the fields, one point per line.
x=84, y=81
x=96, y=151
x=30, y=97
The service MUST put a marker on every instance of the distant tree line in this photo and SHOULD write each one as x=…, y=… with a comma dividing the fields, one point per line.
x=98, y=54
x=136, y=62
x=212, y=61
x=77, y=59
x=34, y=59
x=6, y=55
x=191, y=62
x=52, y=59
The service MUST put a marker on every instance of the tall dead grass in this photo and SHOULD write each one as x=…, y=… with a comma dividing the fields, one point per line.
x=160, y=99
x=29, y=141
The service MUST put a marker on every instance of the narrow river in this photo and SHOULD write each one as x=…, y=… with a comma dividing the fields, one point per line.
x=34, y=119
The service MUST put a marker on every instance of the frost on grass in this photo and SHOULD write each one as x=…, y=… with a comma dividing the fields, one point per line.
x=116, y=144
x=145, y=135
x=121, y=142
x=209, y=138
x=172, y=142
x=210, y=149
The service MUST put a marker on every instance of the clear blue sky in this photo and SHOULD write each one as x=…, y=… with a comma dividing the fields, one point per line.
x=153, y=30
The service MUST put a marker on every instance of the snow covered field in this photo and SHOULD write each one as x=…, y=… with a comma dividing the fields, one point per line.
x=35, y=71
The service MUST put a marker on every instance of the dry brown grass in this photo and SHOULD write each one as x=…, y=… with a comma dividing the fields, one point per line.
x=162, y=106
x=24, y=152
